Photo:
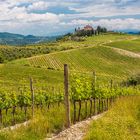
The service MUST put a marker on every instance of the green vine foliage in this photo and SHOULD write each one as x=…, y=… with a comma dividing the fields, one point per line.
x=83, y=88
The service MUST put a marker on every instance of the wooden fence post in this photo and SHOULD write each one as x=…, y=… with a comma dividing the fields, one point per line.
x=79, y=112
x=91, y=107
x=111, y=84
x=86, y=107
x=95, y=107
x=94, y=88
x=111, y=87
x=74, y=108
x=94, y=80
x=67, y=102
x=1, y=116
x=32, y=96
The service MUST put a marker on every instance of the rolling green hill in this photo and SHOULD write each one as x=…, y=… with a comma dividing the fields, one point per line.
x=86, y=56
x=20, y=40
x=9, y=53
x=133, y=45
x=83, y=57
x=101, y=59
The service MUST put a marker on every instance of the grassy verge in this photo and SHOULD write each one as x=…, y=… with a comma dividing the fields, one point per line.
x=122, y=122
x=44, y=123
x=130, y=45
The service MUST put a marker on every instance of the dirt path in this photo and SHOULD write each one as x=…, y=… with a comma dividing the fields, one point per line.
x=122, y=51
x=125, y=52
x=77, y=131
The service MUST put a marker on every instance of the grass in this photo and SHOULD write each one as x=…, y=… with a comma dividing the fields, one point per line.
x=86, y=56
x=44, y=123
x=9, y=53
x=14, y=76
x=133, y=46
x=46, y=70
x=122, y=122
x=101, y=59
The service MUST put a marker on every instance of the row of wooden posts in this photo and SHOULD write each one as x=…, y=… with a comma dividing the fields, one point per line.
x=67, y=100
x=66, y=96
x=66, y=89
x=105, y=102
x=96, y=106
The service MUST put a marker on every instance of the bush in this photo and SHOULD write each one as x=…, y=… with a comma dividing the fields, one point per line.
x=1, y=59
x=132, y=81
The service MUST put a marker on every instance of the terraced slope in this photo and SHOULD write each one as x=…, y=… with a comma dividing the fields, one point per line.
x=104, y=60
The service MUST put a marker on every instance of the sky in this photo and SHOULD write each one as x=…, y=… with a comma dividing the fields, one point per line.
x=55, y=17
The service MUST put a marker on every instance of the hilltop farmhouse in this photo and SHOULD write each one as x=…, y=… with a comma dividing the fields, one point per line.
x=88, y=30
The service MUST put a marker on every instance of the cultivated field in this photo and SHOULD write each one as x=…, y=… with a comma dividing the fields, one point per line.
x=133, y=45
x=89, y=94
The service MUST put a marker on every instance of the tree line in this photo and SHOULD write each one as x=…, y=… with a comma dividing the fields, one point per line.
x=11, y=53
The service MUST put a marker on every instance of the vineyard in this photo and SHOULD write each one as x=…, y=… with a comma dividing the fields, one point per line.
x=32, y=89
x=83, y=59
x=87, y=95
x=9, y=53
x=87, y=56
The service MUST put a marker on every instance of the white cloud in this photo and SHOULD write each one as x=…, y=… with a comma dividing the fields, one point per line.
x=40, y=5
x=47, y=17
x=111, y=24
x=21, y=16
x=106, y=10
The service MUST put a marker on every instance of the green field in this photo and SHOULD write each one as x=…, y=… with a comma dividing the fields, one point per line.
x=87, y=56
x=120, y=123
x=133, y=45
x=103, y=60
x=82, y=57
x=14, y=76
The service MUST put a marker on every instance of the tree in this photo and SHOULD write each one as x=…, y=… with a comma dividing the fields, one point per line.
x=104, y=30
x=99, y=29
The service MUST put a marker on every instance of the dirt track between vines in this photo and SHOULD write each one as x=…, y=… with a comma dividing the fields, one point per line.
x=122, y=51
x=125, y=52
x=77, y=131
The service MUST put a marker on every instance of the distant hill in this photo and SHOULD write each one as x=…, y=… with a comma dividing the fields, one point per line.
x=132, y=32
x=20, y=40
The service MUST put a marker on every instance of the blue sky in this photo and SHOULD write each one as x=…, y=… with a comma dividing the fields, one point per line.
x=53, y=17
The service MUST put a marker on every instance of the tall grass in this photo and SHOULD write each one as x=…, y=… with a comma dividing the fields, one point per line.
x=43, y=125
x=122, y=122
